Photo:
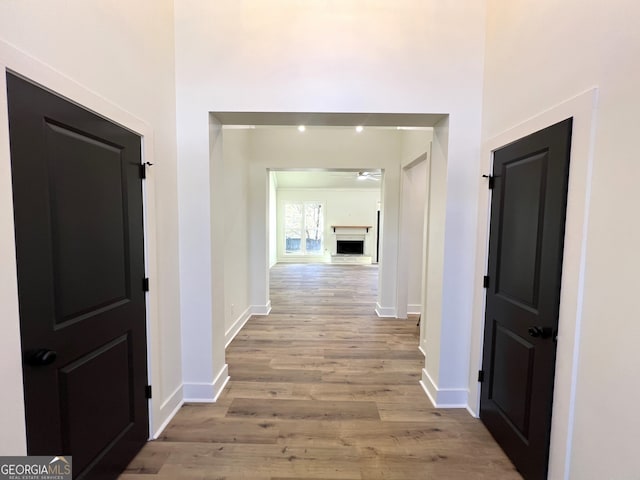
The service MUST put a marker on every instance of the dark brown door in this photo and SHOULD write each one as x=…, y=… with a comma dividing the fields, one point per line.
x=525, y=265
x=79, y=243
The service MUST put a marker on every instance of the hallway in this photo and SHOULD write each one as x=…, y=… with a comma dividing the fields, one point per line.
x=323, y=388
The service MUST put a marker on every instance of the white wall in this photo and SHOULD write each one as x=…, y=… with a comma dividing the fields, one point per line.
x=404, y=56
x=203, y=380
x=285, y=55
x=414, y=183
x=416, y=202
x=273, y=219
x=534, y=65
x=235, y=152
x=439, y=346
x=415, y=144
x=119, y=62
x=414, y=158
x=341, y=206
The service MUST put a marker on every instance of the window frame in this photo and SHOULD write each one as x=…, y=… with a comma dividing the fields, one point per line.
x=303, y=228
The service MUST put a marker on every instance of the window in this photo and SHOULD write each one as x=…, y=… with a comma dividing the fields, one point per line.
x=313, y=228
x=303, y=228
x=293, y=227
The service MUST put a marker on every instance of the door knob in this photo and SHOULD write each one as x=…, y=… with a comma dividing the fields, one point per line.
x=41, y=357
x=539, y=332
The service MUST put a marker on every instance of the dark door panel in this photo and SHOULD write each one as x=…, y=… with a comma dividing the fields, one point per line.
x=517, y=272
x=528, y=209
x=88, y=219
x=98, y=379
x=80, y=257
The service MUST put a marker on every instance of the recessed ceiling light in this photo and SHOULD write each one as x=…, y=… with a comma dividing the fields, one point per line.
x=359, y=128
x=301, y=128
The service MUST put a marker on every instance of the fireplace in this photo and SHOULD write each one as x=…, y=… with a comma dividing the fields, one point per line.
x=350, y=247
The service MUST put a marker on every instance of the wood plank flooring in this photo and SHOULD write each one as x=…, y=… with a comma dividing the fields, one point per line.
x=323, y=389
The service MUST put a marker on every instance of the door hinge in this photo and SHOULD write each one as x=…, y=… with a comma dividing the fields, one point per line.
x=485, y=281
x=143, y=169
x=492, y=180
x=481, y=376
x=147, y=391
x=145, y=284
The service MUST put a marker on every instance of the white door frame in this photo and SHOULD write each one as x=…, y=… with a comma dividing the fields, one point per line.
x=18, y=62
x=583, y=110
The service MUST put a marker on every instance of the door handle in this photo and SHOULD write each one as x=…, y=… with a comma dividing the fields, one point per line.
x=539, y=332
x=41, y=357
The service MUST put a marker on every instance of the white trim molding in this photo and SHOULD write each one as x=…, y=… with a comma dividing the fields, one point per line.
x=443, y=397
x=414, y=309
x=21, y=63
x=386, y=312
x=240, y=322
x=169, y=408
x=583, y=109
x=207, y=392
x=261, y=309
x=257, y=310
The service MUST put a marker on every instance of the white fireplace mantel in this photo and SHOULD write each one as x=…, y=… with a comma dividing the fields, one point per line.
x=351, y=233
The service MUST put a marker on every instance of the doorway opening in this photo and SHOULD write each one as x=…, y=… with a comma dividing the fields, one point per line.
x=275, y=143
x=323, y=216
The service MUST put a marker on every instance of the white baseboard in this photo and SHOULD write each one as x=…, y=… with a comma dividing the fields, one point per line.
x=168, y=410
x=231, y=333
x=172, y=400
x=422, y=350
x=261, y=309
x=385, y=312
x=443, y=397
x=206, y=392
x=473, y=403
x=414, y=309
x=304, y=259
x=223, y=384
x=240, y=322
x=351, y=259
x=426, y=391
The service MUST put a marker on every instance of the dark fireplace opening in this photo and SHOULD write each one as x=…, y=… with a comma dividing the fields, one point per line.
x=350, y=247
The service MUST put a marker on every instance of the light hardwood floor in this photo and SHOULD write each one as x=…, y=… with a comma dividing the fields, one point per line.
x=323, y=389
